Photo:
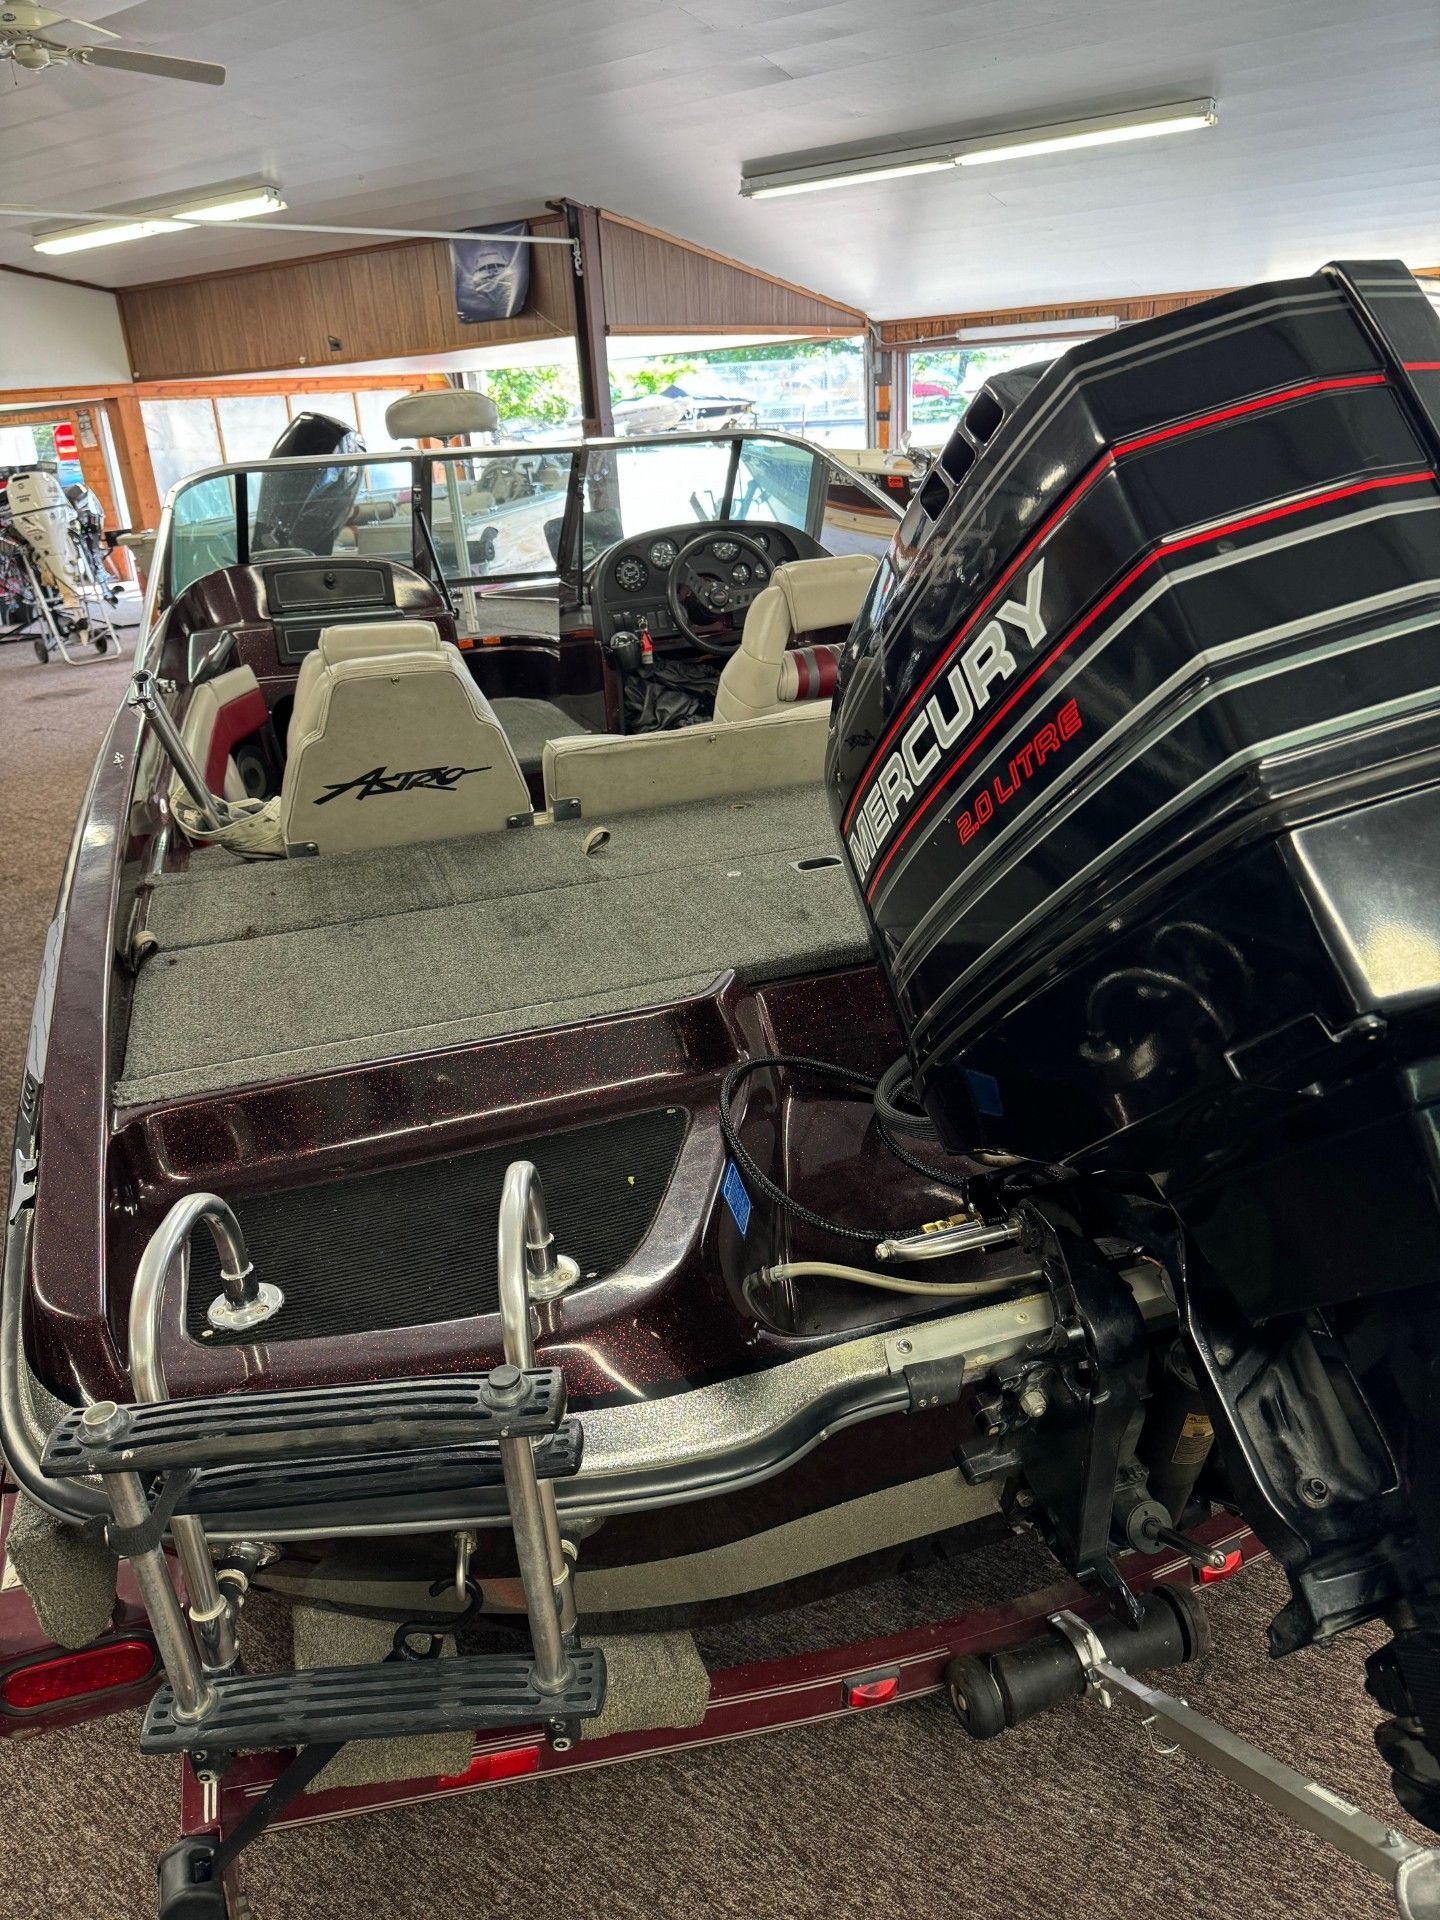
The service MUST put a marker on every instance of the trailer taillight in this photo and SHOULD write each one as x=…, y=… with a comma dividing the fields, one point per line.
x=510, y=1763
x=72, y=1676
x=871, y=1690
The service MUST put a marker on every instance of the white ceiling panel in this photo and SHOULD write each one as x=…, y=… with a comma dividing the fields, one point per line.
x=449, y=112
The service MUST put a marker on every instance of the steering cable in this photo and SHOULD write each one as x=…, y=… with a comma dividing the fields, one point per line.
x=857, y=1083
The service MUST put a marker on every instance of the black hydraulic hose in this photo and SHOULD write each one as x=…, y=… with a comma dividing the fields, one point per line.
x=820, y=1070
x=896, y=1086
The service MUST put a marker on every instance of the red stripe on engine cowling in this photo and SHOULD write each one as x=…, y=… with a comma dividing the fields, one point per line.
x=1082, y=486
x=1162, y=552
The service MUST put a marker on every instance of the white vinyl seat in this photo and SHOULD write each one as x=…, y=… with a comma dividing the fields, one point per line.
x=354, y=641
x=772, y=708
x=391, y=743
x=803, y=597
x=607, y=773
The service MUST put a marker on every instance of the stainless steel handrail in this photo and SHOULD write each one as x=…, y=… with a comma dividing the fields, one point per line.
x=145, y=695
x=210, y=1612
x=526, y=1255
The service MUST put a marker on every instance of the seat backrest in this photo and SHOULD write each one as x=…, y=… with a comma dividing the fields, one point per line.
x=390, y=748
x=610, y=773
x=358, y=640
x=219, y=714
x=805, y=596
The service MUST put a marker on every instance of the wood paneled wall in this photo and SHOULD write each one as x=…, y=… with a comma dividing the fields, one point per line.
x=655, y=283
x=369, y=304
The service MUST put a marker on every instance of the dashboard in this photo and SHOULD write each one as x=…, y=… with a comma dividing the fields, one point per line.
x=629, y=589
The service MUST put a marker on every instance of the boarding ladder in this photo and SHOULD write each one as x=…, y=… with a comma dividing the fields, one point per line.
x=344, y=1453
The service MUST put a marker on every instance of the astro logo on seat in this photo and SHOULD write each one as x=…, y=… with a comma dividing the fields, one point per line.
x=953, y=704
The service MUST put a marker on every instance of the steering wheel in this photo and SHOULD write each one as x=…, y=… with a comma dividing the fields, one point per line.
x=711, y=586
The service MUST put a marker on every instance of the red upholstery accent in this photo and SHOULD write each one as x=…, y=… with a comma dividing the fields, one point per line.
x=233, y=723
x=815, y=671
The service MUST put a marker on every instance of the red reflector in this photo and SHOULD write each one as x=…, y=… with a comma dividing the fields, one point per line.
x=873, y=1691
x=1210, y=1575
x=73, y=1675
x=512, y=1764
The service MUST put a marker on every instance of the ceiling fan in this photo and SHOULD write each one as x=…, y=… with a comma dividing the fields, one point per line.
x=24, y=39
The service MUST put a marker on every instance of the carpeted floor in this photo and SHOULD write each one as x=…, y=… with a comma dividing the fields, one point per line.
x=1070, y=1818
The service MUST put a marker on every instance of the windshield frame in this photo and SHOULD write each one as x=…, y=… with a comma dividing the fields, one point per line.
x=568, y=567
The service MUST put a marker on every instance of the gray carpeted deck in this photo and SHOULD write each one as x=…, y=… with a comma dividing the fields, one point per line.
x=529, y=724
x=270, y=969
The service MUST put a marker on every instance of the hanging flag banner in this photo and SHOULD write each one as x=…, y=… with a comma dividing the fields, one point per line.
x=492, y=275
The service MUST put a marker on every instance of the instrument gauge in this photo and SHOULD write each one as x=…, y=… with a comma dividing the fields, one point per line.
x=724, y=549
x=662, y=554
x=740, y=573
x=630, y=574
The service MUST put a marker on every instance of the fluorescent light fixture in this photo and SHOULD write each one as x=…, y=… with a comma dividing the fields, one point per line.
x=1038, y=329
x=244, y=204
x=1103, y=130
x=851, y=178
x=1187, y=116
x=230, y=203
x=102, y=234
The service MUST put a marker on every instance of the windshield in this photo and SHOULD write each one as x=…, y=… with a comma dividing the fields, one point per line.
x=500, y=513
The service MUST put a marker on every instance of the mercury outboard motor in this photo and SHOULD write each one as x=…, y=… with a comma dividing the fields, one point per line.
x=304, y=511
x=1136, y=761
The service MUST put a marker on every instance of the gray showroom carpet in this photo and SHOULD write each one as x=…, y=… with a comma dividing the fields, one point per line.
x=1071, y=1818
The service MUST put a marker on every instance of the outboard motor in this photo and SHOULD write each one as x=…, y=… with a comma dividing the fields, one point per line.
x=1136, y=761
x=45, y=520
x=304, y=511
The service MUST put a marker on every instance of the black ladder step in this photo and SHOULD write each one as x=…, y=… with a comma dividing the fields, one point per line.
x=376, y=1417
x=256, y=1712
x=382, y=1478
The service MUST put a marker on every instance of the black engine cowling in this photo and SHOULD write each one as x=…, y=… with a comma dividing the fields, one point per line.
x=1136, y=760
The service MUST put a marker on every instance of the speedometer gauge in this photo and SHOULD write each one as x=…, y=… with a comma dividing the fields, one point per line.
x=662, y=554
x=630, y=574
x=724, y=549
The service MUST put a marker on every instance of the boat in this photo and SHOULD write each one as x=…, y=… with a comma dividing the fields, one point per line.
x=978, y=1076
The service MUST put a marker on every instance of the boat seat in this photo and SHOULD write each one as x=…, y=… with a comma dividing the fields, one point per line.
x=528, y=723
x=772, y=708
x=609, y=773
x=391, y=743
x=767, y=671
x=355, y=640
x=221, y=713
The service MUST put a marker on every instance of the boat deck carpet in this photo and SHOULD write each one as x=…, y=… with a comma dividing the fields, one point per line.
x=335, y=1246
x=530, y=723
x=265, y=970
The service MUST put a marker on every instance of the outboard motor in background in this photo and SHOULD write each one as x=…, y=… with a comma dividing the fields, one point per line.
x=47, y=575
x=89, y=532
x=304, y=511
x=1136, y=761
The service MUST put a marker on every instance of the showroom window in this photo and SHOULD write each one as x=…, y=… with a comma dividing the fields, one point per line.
x=942, y=381
x=187, y=435
x=183, y=437
x=251, y=423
